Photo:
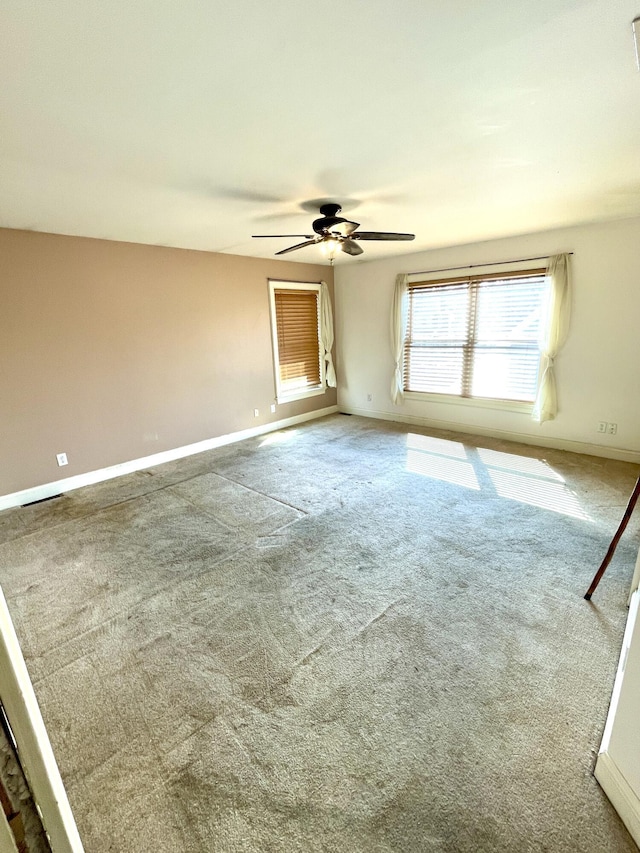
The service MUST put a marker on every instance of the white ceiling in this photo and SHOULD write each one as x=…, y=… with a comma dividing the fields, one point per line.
x=196, y=123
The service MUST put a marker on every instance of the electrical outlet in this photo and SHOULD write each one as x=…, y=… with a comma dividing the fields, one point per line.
x=602, y=426
x=62, y=459
x=612, y=429
x=256, y=413
x=273, y=408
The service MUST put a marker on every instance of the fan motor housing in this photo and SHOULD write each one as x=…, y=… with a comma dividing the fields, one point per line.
x=330, y=209
x=328, y=218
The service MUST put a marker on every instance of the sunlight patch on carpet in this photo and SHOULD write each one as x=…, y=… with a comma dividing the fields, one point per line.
x=441, y=446
x=519, y=478
x=520, y=464
x=278, y=437
x=441, y=460
x=535, y=492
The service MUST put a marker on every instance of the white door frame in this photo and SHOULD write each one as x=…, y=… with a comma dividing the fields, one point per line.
x=36, y=755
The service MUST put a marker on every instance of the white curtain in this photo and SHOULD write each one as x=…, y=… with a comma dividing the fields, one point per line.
x=398, y=334
x=326, y=334
x=554, y=334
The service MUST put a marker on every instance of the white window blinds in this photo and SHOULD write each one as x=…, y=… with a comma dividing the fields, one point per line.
x=475, y=337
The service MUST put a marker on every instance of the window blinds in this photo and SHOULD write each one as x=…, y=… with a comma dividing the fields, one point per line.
x=297, y=333
x=475, y=337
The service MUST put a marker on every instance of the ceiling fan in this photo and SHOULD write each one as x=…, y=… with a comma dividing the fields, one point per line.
x=336, y=234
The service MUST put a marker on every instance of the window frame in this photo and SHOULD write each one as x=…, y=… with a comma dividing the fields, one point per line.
x=519, y=406
x=283, y=396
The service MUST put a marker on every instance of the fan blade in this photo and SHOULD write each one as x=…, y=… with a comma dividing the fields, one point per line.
x=345, y=228
x=381, y=235
x=306, y=236
x=350, y=247
x=297, y=246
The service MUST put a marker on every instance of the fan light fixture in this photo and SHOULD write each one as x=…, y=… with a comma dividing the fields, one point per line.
x=330, y=247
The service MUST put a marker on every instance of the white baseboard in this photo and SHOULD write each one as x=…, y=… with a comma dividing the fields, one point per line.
x=621, y=795
x=522, y=438
x=48, y=490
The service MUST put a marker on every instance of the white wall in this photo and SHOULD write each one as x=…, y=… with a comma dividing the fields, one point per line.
x=598, y=370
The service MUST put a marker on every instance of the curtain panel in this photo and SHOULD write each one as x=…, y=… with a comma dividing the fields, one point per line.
x=398, y=335
x=326, y=334
x=554, y=334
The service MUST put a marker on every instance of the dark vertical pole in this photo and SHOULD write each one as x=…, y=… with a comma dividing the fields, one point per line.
x=614, y=542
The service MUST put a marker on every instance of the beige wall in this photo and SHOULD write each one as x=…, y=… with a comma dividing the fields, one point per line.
x=113, y=351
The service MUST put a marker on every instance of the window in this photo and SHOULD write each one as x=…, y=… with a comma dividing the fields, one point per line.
x=295, y=322
x=476, y=337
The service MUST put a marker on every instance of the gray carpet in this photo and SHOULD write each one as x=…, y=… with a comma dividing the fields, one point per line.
x=349, y=636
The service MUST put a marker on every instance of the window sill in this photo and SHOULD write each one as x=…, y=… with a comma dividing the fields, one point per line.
x=471, y=402
x=299, y=395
